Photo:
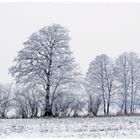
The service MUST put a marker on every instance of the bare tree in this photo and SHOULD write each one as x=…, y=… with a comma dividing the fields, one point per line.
x=123, y=77
x=134, y=63
x=68, y=105
x=99, y=81
x=46, y=59
x=127, y=74
x=93, y=105
x=5, y=98
x=28, y=101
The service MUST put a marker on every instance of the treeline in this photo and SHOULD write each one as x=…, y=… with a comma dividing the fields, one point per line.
x=49, y=82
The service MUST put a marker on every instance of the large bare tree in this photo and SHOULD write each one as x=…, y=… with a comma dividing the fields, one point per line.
x=99, y=81
x=46, y=60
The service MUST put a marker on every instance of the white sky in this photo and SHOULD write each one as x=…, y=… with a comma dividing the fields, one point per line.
x=95, y=28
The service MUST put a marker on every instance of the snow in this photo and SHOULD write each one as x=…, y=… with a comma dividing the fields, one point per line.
x=105, y=127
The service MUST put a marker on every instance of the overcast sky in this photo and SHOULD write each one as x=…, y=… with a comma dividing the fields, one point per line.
x=95, y=28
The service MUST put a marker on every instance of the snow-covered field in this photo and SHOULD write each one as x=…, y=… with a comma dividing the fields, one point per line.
x=128, y=127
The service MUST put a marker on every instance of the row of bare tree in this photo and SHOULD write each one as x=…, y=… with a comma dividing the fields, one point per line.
x=109, y=83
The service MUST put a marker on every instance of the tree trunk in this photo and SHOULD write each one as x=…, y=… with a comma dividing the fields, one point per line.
x=132, y=90
x=125, y=100
x=108, y=104
x=103, y=90
x=125, y=89
x=104, y=102
x=48, y=107
x=132, y=103
x=109, y=94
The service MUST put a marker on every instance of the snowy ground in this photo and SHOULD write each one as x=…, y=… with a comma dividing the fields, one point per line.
x=128, y=127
